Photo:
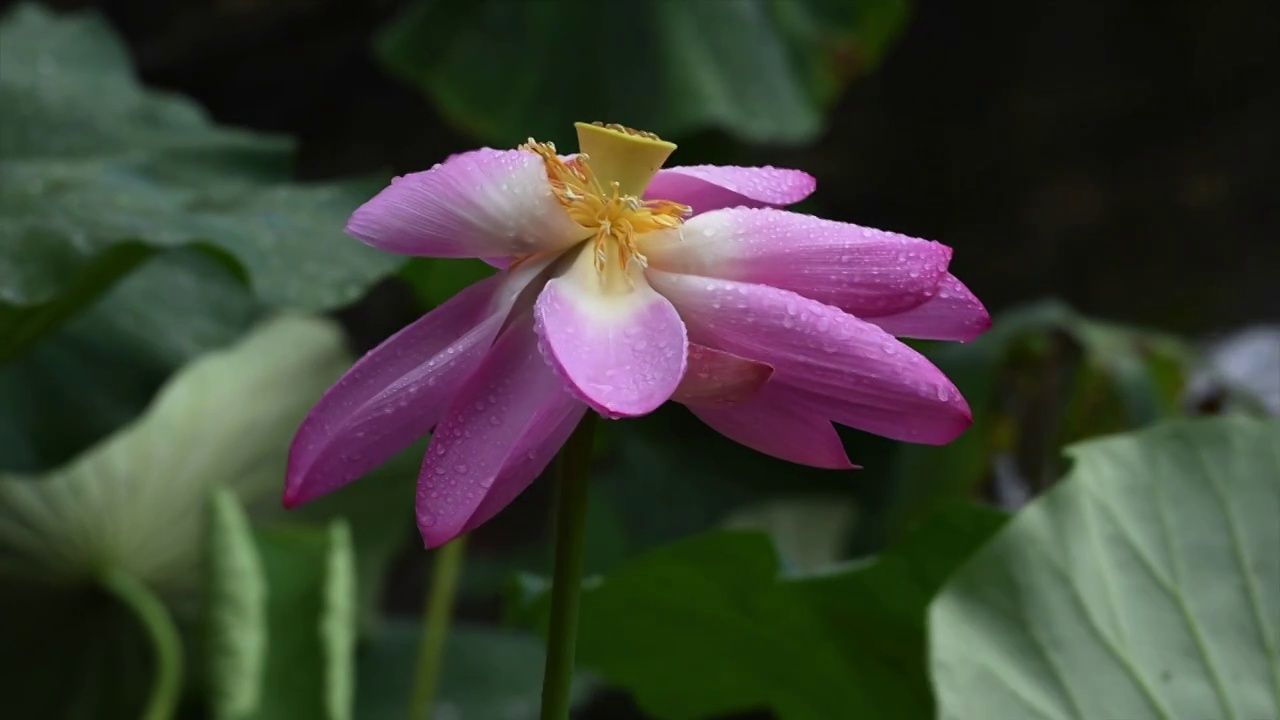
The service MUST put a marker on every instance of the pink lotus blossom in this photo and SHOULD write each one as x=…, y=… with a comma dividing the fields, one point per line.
x=622, y=286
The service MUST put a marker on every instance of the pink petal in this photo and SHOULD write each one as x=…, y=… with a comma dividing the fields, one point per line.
x=484, y=203
x=544, y=438
x=849, y=370
x=954, y=313
x=398, y=391
x=513, y=404
x=770, y=423
x=859, y=270
x=715, y=377
x=709, y=187
x=621, y=350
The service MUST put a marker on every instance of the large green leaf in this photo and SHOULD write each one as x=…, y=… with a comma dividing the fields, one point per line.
x=761, y=69
x=1145, y=585
x=133, y=503
x=709, y=625
x=488, y=674
x=99, y=371
x=96, y=172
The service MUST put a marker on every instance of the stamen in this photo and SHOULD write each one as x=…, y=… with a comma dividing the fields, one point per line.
x=618, y=217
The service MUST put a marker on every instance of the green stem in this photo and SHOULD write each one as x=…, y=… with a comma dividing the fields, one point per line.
x=436, y=614
x=570, y=524
x=165, y=642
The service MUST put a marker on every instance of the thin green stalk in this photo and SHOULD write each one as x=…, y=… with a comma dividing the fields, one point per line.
x=566, y=588
x=165, y=642
x=436, y=614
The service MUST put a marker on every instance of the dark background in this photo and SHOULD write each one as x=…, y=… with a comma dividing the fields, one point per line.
x=1122, y=155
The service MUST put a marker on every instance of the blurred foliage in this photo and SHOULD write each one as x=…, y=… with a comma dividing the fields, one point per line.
x=708, y=625
x=434, y=281
x=73, y=654
x=101, y=369
x=763, y=70
x=131, y=503
x=489, y=673
x=1146, y=585
x=1043, y=377
x=97, y=173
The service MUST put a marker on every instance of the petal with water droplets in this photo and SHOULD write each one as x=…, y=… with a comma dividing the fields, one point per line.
x=485, y=203
x=545, y=435
x=862, y=271
x=397, y=392
x=710, y=187
x=954, y=313
x=512, y=406
x=621, y=349
x=717, y=378
x=847, y=369
x=770, y=423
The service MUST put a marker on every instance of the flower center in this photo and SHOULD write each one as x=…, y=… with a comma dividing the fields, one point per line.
x=602, y=189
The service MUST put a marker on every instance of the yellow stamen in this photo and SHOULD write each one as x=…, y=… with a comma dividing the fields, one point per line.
x=602, y=187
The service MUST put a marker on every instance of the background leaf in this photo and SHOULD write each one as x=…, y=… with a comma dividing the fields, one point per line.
x=435, y=280
x=488, y=674
x=133, y=502
x=95, y=171
x=760, y=69
x=93, y=656
x=708, y=625
x=1043, y=377
x=1146, y=584
x=102, y=369
x=236, y=608
x=311, y=618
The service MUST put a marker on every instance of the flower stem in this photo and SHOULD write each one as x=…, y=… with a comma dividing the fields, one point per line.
x=566, y=587
x=436, y=614
x=165, y=642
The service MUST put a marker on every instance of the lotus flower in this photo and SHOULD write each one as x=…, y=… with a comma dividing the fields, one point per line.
x=623, y=286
